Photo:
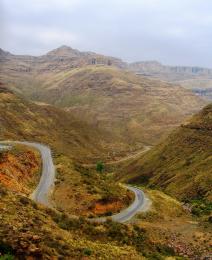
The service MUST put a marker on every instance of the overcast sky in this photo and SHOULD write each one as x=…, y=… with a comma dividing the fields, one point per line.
x=175, y=32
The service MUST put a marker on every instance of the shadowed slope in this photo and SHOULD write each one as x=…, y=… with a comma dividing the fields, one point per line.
x=181, y=165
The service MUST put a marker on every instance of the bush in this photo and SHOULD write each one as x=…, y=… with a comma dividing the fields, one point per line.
x=87, y=251
x=100, y=167
x=201, y=207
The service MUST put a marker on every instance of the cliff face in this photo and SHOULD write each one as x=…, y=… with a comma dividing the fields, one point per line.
x=197, y=79
x=155, y=67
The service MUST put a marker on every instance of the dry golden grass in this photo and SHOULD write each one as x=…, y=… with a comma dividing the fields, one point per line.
x=133, y=109
x=181, y=164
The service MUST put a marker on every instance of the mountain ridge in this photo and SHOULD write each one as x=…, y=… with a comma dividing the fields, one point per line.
x=100, y=89
x=195, y=78
x=65, y=50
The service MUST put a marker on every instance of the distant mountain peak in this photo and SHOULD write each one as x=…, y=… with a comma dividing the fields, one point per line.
x=64, y=50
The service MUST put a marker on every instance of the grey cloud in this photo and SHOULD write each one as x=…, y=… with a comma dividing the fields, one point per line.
x=171, y=31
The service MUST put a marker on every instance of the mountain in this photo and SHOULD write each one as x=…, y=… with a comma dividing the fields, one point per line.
x=32, y=231
x=136, y=109
x=60, y=59
x=181, y=164
x=99, y=90
x=100, y=111
x=21, y=119
x=72, y=142
x=154, y=67
x=198, y=79
x=64, y=58
x=66, y=51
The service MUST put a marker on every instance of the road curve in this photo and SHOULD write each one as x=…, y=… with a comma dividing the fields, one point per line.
x=140, y=204
x=46, y=183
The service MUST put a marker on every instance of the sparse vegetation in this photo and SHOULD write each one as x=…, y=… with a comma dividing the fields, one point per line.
x=101, y=113
x=180, y=165
x=99, y=194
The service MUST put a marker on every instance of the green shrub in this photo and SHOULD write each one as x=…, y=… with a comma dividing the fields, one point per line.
x=87, y=251
x=99, y=167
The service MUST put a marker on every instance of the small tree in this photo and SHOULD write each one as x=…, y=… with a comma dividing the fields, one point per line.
x=100, y=167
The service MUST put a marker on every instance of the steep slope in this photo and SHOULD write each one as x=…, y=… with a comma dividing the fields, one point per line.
x=139, y=110
x=97, y=89
x=72, y=142
x=182, y=164
x=32, y=231
x=29, y=231
x=20, y=169
x=21, y=119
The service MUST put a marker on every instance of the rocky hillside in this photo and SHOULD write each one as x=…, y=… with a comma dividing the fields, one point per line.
x=181, y=165
x=60, y=59
x=65, y=58
x=20, y=169
x=154, y=67
x=198, y=79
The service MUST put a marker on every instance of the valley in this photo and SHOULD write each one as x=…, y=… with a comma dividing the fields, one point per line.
x=135, y=110
x=107, y=160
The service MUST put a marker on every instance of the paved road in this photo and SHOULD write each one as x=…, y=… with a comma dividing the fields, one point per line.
x=127, y=158
x=46, y=185
x=140, y=204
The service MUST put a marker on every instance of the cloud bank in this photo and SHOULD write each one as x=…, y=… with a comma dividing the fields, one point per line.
x=173, y=32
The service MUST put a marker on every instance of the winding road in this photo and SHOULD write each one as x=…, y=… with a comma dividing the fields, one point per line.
x=46, y=183
x=140, y=204
x=42, y=192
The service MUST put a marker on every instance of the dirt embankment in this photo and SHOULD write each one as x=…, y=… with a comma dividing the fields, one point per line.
x=20, y=169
